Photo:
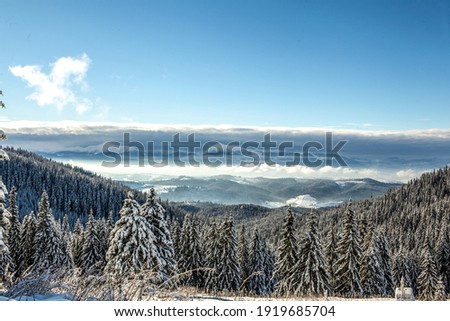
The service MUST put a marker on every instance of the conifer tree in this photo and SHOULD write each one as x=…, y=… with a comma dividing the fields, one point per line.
x=428, y=277
x=92, y=257
x=14, y=232
x=131, y=247
x=154, y=213
x=309, y=275
x=244, y=260
x=103, y=231
x=27, y=237
x=4, y=220
x=331, y=258
x=176, y=238
x=6, y=263
x=372, y=276
x=384, y=254
x=65, y=228
x=269, y=265
x=212, y=258
x=196, y=263
x=228, y=270
x=76, y=244
x=349, y=258
x=257, y=284
x=50, y=252
x=286, y=256
x=443, y=255
x=185, y=262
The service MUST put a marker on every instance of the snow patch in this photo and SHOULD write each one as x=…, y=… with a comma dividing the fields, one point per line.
x=160, y=189
x=306, y=201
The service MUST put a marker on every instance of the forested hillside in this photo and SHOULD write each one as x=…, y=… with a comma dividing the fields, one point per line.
x=360, y=249
x=71, y=190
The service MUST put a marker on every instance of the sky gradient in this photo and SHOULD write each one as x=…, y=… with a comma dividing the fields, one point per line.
x=379, y=65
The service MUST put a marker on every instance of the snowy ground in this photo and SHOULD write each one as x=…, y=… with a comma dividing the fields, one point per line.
x=41, y=297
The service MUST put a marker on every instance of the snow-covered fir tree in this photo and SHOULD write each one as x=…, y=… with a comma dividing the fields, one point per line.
x=76, y=245
x=6, y=263
x=154, y=213
x=65, y=229
x=443, y=255
x=309, y=275
x=176, y=239
x=50, y=252
x=348, y=280
x=92, y=257
x=212, y=258
x=228, y=270
x=244, y=260
x=15, y=248
x=131, y=247
x=27, y=237
x=196, y=258
x=286, y=256
x=428, y=277
x=4, y=221
x=384, y=254
x=257, y=284
x=401, y=268
x=331, y=258
x=269, y=265
x=372, y=273
x=184, y=260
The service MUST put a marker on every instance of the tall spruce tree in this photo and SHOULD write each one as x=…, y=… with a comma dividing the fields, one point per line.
x=6, y=263
x=176, y=239
x=50, y=253
x=76, y=245
x=244, y=260
x=287, y=256
x=131, y=247
x=184, y=261
x=154, y=213
x=372, y=274
x=15, y=248
x=196, y=258
x=212, y=258
x=92, y=258
x=428, y=277
x=27, y=237
x=228, y=270
x=269, y=265
x=443, y=255
x=331, y=258
x=258, y=283
x=309, y=275
x=384, y=254
x=348, y=280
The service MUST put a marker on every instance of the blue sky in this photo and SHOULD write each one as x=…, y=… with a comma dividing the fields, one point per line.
x=380, y=65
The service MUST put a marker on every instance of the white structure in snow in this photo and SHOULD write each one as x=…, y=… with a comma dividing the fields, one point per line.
x=404, y=293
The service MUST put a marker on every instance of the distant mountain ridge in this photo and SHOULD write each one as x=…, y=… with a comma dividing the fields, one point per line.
x=269, y=192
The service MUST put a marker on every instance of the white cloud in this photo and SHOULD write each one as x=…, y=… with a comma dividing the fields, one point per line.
x=59, y=87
